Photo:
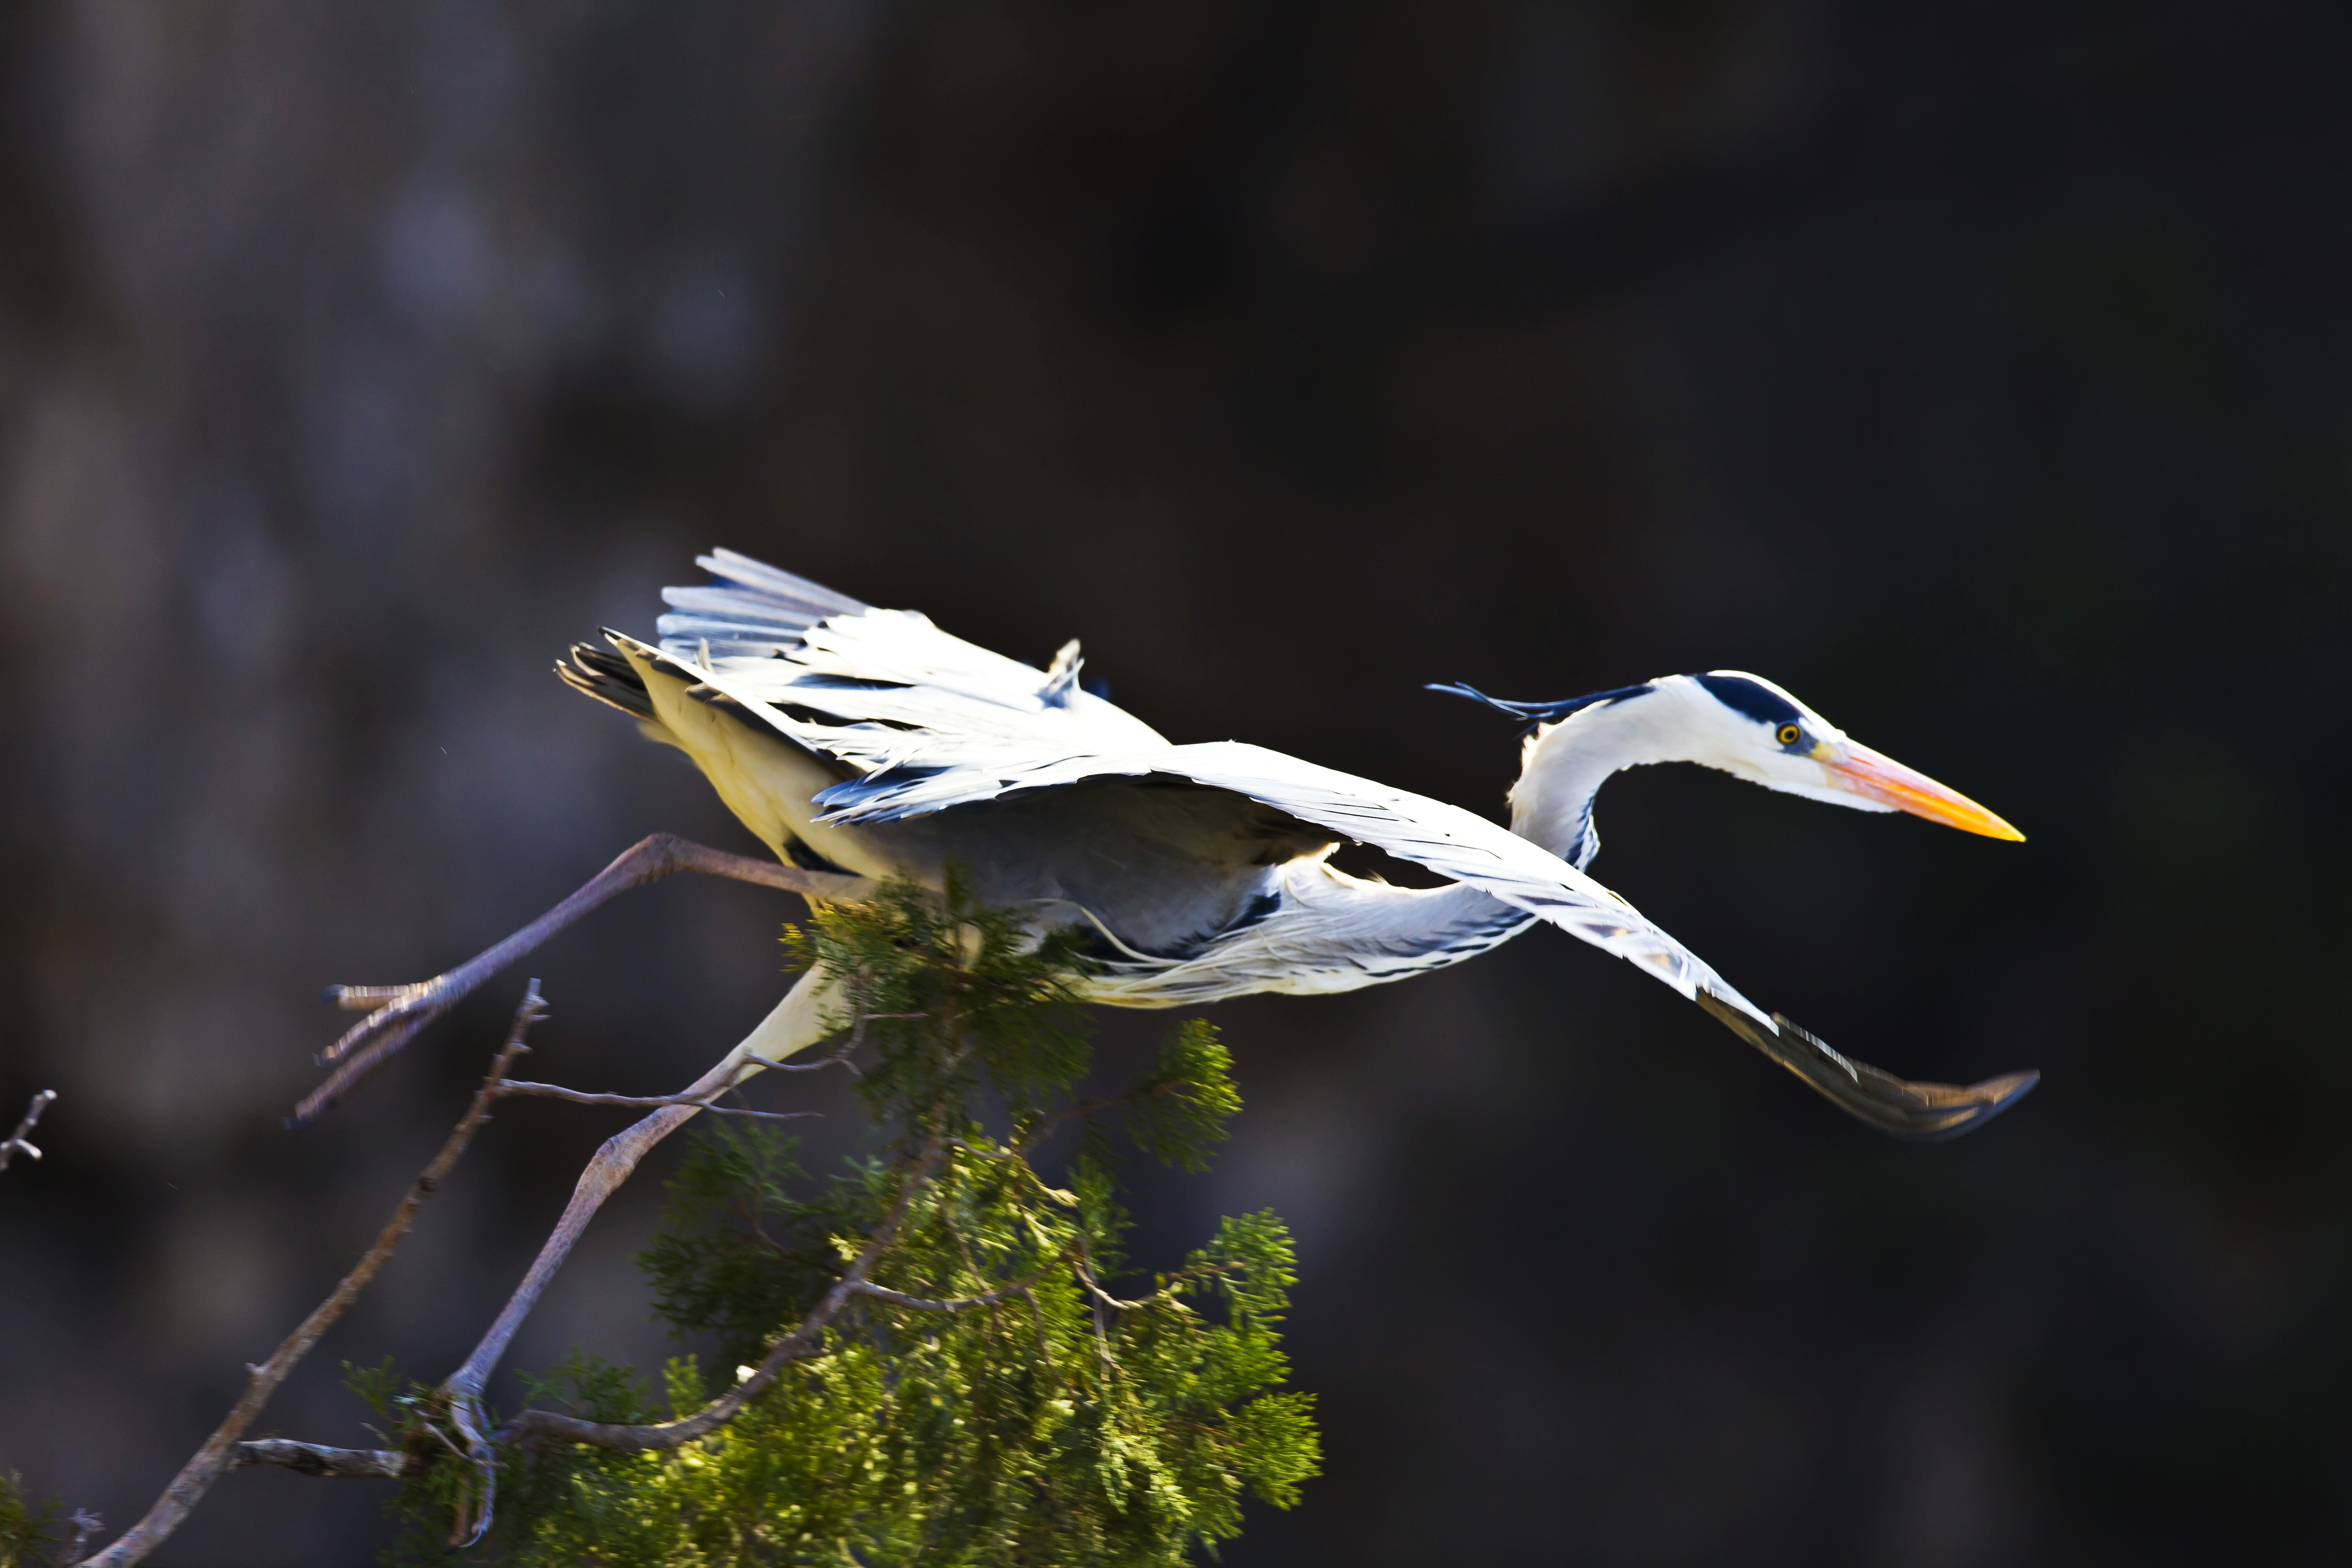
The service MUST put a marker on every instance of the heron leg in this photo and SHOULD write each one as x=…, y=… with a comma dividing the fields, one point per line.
x=395, y=1013
x=797, y=1022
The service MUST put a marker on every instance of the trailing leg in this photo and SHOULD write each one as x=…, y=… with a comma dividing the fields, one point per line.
x=395, y=1013
x=797, y=1022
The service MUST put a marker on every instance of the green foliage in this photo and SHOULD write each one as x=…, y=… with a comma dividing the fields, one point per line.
x=1021, y=1412
x=1181, y=1109
x=28, y=1532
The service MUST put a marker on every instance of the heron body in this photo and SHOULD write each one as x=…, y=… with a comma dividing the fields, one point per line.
x=868, y=741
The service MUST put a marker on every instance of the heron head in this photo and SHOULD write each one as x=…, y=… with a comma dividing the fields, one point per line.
x=1725, y=718
x=1746, y=726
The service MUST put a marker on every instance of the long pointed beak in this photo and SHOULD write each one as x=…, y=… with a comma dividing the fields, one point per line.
x=1865, y=773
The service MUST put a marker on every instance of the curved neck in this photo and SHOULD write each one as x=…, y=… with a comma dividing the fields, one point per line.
x=1563, y=765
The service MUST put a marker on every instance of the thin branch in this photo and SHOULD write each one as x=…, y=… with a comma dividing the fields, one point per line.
x=1103, y=1297
x=1102, y=1331
x=986, y=1297
x=835, y=1060
x=218, y=1454
x=16, y=1144
x=1054, y=1123
x=552, y=1429
x=840, y=1055
x=505, y=1087
x=318, y=1459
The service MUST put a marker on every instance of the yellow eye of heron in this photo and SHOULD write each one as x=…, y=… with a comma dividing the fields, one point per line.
x=1790, y=734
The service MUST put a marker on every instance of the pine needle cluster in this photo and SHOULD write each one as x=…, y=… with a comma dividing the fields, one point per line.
x=30, y=1533
x=1002, y=1389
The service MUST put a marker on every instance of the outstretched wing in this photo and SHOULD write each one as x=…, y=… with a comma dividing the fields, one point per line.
x=932, y=723
x=1461, y=845
x=1445, y=838
x=871, y=684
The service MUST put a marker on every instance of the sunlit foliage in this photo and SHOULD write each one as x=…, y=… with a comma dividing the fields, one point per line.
x=1046, y=1406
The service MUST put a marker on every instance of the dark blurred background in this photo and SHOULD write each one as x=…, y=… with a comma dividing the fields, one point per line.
x=1982, y=373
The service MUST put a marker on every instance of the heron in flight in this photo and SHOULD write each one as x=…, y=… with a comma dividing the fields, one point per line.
x=859, y=743
x=856, y=742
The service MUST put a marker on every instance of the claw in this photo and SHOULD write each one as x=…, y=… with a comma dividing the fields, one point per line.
x=362, y=998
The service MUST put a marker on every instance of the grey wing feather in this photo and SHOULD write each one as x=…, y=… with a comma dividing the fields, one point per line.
x=1445, y=838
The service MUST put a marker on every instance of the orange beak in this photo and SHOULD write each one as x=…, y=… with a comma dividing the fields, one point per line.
x=1865, y=773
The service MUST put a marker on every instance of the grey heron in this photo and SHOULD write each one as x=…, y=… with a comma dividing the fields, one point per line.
x=863, y=742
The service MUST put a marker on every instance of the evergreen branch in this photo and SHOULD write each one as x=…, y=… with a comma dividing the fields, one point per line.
x=986, y=1297
x=473, y=1514
x=1060, y=1119
x=579, y=1097
x=219, y=1452
x=1172, y=1113
x=900, y=1299
x=840, y=1055
x=1086, y=1277
x=866, y=1433
x=547, y=1429
x=16, y=1143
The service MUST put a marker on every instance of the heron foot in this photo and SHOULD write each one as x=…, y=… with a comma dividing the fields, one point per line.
x=386, y=1006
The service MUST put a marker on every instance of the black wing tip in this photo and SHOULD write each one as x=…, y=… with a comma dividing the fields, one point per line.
x=607, y=678
x=1985, y=1100
x=1913, y=1113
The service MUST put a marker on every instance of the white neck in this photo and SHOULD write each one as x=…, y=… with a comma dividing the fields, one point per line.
x=1562, y=766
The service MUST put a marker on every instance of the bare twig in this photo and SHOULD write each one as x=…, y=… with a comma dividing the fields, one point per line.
x=839, y=1055
x=398, y=1012
x=1056, y=1122
x=219, y=1452
x=554, y=1091
x=318, y=1459
x=834, y=1060
x=1102, y=1297
x=16, y=1143
x=986, y=1297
